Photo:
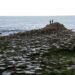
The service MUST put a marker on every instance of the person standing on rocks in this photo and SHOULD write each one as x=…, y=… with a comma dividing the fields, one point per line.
x=52, y=21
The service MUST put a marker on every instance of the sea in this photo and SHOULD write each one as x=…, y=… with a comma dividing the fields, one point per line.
x=15, y=24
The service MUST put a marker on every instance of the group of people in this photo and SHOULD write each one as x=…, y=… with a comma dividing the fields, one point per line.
x=51, y=21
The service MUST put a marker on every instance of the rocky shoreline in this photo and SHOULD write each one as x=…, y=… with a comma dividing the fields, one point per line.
x=47, y=51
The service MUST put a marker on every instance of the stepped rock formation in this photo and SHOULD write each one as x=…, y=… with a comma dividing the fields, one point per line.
x=48, y=29
x=24, y=54
x=54, y=27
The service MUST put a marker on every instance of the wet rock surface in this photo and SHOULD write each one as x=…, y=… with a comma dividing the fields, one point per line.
x=48, y=54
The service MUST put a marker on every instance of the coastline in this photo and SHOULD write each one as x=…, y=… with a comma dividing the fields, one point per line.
x=43, y=51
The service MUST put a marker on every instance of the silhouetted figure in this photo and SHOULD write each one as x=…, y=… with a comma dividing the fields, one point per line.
x=52, y=21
